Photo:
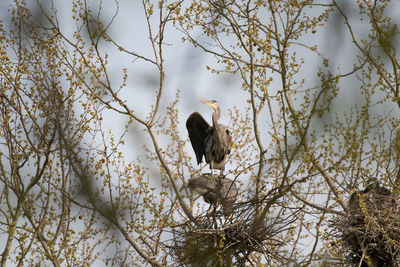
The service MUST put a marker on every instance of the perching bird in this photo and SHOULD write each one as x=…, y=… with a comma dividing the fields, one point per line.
x=373, y=186
x=213, y=142
x=215, y=191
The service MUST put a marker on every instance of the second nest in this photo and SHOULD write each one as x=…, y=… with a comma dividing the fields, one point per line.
x=370, y=231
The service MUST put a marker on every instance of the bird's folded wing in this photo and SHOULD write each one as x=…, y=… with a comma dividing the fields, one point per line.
x=197, y=128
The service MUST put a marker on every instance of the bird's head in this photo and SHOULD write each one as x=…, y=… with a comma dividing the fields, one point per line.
x=372, y=184
x=200, y=185
x=212, y=104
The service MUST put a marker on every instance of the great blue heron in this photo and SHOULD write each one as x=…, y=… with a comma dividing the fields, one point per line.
x=215, y=191
x=373, y=189
x=213, y=142
x=373, y=186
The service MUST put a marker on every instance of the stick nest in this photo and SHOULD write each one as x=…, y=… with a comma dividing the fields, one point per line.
x=370, y=231
x=218, y=240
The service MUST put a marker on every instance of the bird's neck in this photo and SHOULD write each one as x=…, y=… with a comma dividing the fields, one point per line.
x=215, y=117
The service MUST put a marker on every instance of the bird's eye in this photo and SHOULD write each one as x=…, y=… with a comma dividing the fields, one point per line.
x=227, y=131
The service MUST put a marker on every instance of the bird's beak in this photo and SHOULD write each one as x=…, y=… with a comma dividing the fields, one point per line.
x=208, y=103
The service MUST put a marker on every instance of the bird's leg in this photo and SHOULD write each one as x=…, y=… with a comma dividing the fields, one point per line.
x=209, y=211
x=211, y=169
x=221, y=172
x=214, y=215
